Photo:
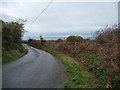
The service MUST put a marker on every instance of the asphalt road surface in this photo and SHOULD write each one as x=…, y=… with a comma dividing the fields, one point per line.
x=37, y=69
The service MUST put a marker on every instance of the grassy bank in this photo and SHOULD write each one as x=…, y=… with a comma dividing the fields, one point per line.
x=12, y=55
x=78, y=76
x=12, y=33
x=0, y=60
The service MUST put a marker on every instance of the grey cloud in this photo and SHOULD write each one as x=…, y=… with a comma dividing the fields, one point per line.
x=65, y=17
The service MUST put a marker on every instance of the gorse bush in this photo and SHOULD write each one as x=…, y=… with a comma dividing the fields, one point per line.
x=75, y=39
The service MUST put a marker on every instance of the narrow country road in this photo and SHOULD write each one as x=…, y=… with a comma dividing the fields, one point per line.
x=37, y=69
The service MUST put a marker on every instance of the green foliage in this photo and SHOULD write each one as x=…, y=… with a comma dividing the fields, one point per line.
x=108, y=40
x=100, y=56
x=92, y=62
x=59, y=40
x=75, y=39
x=78, y=76
x=11, y=34
x=12, y=55
x=30, y=40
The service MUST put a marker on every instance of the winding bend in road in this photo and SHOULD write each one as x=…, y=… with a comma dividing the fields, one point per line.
x=37, y=69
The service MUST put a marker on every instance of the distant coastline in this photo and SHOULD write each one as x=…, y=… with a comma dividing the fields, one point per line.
x=55, y=37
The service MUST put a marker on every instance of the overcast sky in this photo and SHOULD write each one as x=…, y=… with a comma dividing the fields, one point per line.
x=62, y=18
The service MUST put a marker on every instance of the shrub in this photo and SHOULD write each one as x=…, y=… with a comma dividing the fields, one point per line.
x=75, y=39
x=108, y=39
x=11, y=35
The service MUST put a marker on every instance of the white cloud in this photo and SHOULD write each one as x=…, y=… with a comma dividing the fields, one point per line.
x=62, y=17
x=60, y=1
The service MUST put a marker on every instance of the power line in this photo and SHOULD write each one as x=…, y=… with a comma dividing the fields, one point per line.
x=42, y=12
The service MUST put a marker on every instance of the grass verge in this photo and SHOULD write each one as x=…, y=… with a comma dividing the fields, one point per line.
x=78, y=76
x=12, y=55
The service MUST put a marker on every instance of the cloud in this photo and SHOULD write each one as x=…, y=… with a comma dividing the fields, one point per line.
x=70, y=15
x=60, y=1
x=62, y=17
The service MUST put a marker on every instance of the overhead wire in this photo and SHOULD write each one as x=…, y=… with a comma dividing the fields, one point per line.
x=41, y=12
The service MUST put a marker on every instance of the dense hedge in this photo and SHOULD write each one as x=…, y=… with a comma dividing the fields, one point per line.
x=11, y=35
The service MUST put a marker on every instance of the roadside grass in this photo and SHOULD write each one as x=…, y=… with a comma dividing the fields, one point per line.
x=12, y=55
x=78, y=76
x=0, y=60
x=92, y=62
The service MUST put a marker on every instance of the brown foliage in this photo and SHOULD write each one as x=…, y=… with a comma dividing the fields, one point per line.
x=106, y=45
x=108, y=41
